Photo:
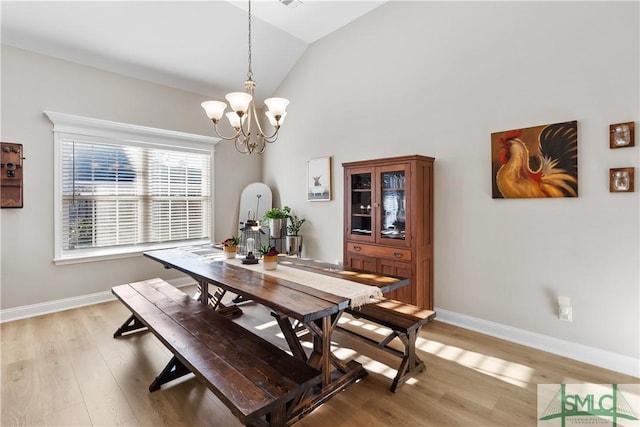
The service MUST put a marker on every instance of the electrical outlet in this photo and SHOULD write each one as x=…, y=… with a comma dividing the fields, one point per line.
x=566, y=313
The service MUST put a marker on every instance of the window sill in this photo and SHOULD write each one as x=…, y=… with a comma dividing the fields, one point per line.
x=95, y=255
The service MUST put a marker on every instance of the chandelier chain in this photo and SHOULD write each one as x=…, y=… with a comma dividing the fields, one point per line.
x=250, y=71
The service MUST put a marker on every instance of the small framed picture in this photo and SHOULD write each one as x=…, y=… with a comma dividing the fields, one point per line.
x=319, y=179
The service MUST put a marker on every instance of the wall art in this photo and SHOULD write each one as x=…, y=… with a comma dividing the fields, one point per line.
x=535, y=162
x=11, y=191
x=319, y=179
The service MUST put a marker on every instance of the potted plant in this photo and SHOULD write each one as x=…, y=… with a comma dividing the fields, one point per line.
x=276, y=217
x=269, y=257
x=294, y=240
x=229, y=246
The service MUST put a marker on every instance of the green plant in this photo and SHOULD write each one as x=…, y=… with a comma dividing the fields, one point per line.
x=267, y=250
x=231, y=242
x=295, y=224
x=278, y=213
x=262, y=249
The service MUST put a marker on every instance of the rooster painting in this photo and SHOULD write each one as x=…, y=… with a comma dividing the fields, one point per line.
x=536, y=162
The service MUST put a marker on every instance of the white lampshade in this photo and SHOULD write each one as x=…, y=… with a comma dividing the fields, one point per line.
x=234, y=119
x=214, y=109
x=272, y=119
x=277, y=106
x=239, y=101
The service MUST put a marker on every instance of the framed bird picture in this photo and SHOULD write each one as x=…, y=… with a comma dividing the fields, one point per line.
x=535, y=162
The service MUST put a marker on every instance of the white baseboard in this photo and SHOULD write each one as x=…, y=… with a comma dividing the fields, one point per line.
x=595, y=356
x=33, y=310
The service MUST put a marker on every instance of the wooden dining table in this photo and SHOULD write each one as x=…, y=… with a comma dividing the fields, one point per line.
x=294, y=304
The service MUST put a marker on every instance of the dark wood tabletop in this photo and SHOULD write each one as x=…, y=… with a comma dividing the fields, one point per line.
x=295, y=300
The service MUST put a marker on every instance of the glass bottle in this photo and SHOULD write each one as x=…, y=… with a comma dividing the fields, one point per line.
x=621, y=181
x=621, y=136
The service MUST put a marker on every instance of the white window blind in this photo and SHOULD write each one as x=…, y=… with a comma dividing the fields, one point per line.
x=118, y=195
x=127, y=194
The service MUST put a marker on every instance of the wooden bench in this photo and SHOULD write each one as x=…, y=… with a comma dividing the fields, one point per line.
x=405, y=321
x=259, y=382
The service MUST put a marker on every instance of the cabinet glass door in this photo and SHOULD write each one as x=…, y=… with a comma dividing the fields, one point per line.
x=361, y=204
x=392, y=204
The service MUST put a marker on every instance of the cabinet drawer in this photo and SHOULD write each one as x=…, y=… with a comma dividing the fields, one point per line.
x=379, y=251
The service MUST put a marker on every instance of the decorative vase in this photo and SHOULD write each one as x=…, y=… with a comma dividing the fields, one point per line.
x=294, y=245
x=276, y=228
x=230, y=252
x=270, y=262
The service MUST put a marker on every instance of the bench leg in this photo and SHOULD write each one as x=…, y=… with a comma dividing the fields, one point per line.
x=216, y=301
x=411, y=363
x=278, y=417
x=174, y=370
x=131, y=324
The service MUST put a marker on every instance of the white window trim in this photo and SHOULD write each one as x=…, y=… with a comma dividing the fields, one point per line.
x=135, y=135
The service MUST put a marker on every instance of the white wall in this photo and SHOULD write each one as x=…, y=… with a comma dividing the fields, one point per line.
x=33, y=83
x=437, y=78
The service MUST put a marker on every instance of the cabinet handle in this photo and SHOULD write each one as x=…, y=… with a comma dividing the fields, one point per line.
x=357, y=248
x=397, y=254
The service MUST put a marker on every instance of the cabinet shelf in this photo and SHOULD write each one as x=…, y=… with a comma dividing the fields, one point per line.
x=393, y=236
x=362, y=232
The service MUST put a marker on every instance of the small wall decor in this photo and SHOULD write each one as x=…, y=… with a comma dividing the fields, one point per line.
x=621, y=135
x=319, y=179
x=621, y=180
x=540, y=161
x=11, y=175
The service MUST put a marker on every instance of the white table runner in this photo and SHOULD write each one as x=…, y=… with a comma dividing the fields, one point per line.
x=357, y=293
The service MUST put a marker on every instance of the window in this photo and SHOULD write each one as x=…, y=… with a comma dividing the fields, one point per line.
x=121, y=189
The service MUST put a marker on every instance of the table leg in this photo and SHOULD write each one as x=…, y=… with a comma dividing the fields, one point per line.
x=290, y=336
x=326, y=350
x=321, y=358
x=204, y=291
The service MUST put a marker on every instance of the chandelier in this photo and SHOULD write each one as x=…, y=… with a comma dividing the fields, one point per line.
x=249, y=137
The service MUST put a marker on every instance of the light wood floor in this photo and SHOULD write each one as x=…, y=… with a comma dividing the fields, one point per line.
x=65, y=369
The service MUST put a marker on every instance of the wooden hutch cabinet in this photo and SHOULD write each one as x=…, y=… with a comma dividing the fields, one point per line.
x=388, y=222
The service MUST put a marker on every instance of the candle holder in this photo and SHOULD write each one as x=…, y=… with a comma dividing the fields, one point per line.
x=621, y=180
x=621, y=135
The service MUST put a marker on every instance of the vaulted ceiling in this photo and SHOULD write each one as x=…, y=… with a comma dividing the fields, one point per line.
x=200, y=46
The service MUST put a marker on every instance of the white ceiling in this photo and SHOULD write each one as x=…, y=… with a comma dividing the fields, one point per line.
x=200, y=46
